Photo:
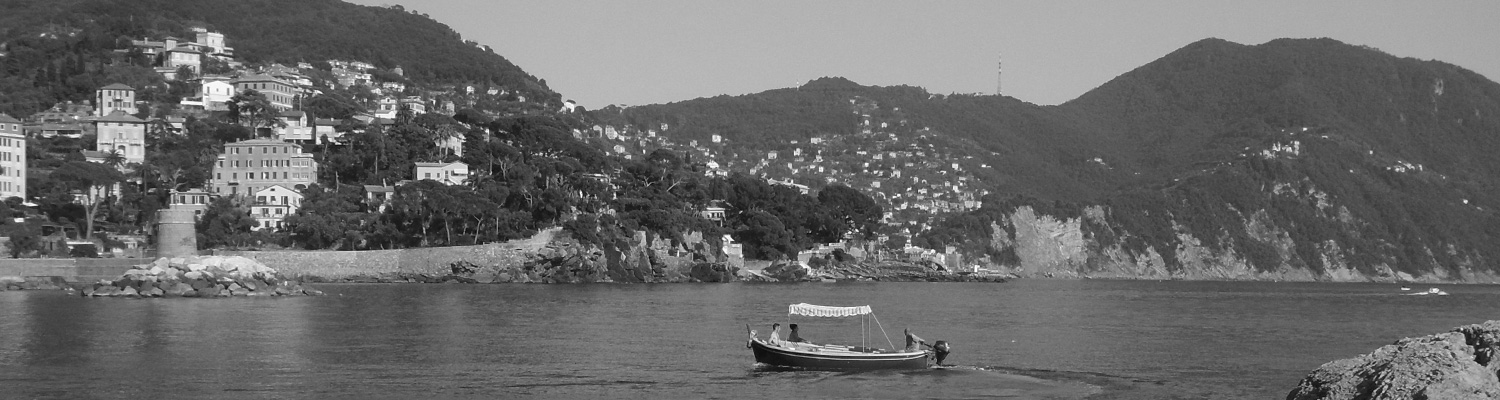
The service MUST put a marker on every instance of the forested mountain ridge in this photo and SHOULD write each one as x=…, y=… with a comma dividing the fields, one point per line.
x=1210, y=98
x=1293, y=159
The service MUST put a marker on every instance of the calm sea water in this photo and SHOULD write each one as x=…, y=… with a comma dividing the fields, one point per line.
x=1023, y=339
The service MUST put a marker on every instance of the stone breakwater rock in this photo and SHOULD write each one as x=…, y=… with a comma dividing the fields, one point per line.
x=211, y=276
x=1460, y=364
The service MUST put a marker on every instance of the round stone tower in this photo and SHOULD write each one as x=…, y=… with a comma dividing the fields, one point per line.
x=175, y=233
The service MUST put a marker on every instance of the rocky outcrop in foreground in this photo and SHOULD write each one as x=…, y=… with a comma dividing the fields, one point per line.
x=1460, y=364
x=211, y=276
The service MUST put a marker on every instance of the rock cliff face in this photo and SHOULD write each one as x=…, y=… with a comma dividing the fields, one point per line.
x=1460, y=364
x=566, y=260
x=1089, y=246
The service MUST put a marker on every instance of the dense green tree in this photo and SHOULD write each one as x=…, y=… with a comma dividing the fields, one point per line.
x=853, y=211
x=23, y=243
x=226, y=222
x=328, y=105
x=251, y=109
x=94, y=181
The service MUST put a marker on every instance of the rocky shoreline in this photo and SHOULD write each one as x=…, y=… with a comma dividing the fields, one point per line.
x=558, y=257
x=1460, y=364
x=470, y=273
x=551, y=256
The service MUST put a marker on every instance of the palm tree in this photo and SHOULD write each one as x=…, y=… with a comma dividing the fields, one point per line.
x=114, y=158
x=444, y=135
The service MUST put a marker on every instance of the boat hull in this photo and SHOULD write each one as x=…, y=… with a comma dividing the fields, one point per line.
x=785, y=357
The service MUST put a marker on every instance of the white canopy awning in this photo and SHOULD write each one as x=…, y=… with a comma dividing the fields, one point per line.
x=826, y=311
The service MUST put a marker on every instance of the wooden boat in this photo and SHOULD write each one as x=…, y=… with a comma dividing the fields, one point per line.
x=812, y=356
x=776, y=352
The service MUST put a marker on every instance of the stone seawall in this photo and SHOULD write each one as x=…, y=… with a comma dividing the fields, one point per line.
x=69, y=269
x=387, y=264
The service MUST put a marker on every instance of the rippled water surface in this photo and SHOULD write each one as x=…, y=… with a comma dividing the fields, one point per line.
x=1023, y=339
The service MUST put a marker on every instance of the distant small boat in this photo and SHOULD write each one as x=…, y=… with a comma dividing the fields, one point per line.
x=1404, y=288
x=1434, y=291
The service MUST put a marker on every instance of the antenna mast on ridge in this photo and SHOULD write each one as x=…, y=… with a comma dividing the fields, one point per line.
x=999, y=74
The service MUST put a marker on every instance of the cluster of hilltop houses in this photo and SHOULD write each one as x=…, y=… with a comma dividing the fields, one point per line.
x=271, y=171
x=898, y=165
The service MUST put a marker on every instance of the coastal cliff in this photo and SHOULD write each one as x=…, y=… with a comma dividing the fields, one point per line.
x=1460, y=364
x=1094, y=245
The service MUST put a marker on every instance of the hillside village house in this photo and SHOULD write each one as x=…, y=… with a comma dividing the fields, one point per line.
x=196, y=200
x=123, y=133
x=211, y=42
x=174, y=59
x=280, y=93
x=416, y=105
x=378, y=196
x=272, y=205
x=454, y=173
x=386, y=108
x=349, y=78
x=67, y=112
x=205, y=42
x=213, y=95
x=167, y=125
x=73, y=130
x=325, y=130
x=297, y=128
x=115, y=97
x=12, y=158
x=249, y=166
x=288, y=74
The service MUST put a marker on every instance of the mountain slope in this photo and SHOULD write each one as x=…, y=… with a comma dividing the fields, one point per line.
x=1212, y=97
x=1293, y=159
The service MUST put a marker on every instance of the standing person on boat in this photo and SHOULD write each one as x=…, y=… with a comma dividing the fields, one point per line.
x=914, y=343
x=794, y=337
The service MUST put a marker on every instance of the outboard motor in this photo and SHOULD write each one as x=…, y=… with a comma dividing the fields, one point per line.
x=940, y=351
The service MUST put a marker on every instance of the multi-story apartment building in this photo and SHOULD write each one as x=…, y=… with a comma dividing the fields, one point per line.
x=12, y=158
x=123, y=133
x=280, y=93
x=115, y=97
x=249, y=166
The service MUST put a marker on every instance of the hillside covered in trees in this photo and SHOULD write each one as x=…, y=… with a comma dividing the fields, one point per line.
x=62, y=50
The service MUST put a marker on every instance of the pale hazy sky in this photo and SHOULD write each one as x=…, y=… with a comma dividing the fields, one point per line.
x=643, y=52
